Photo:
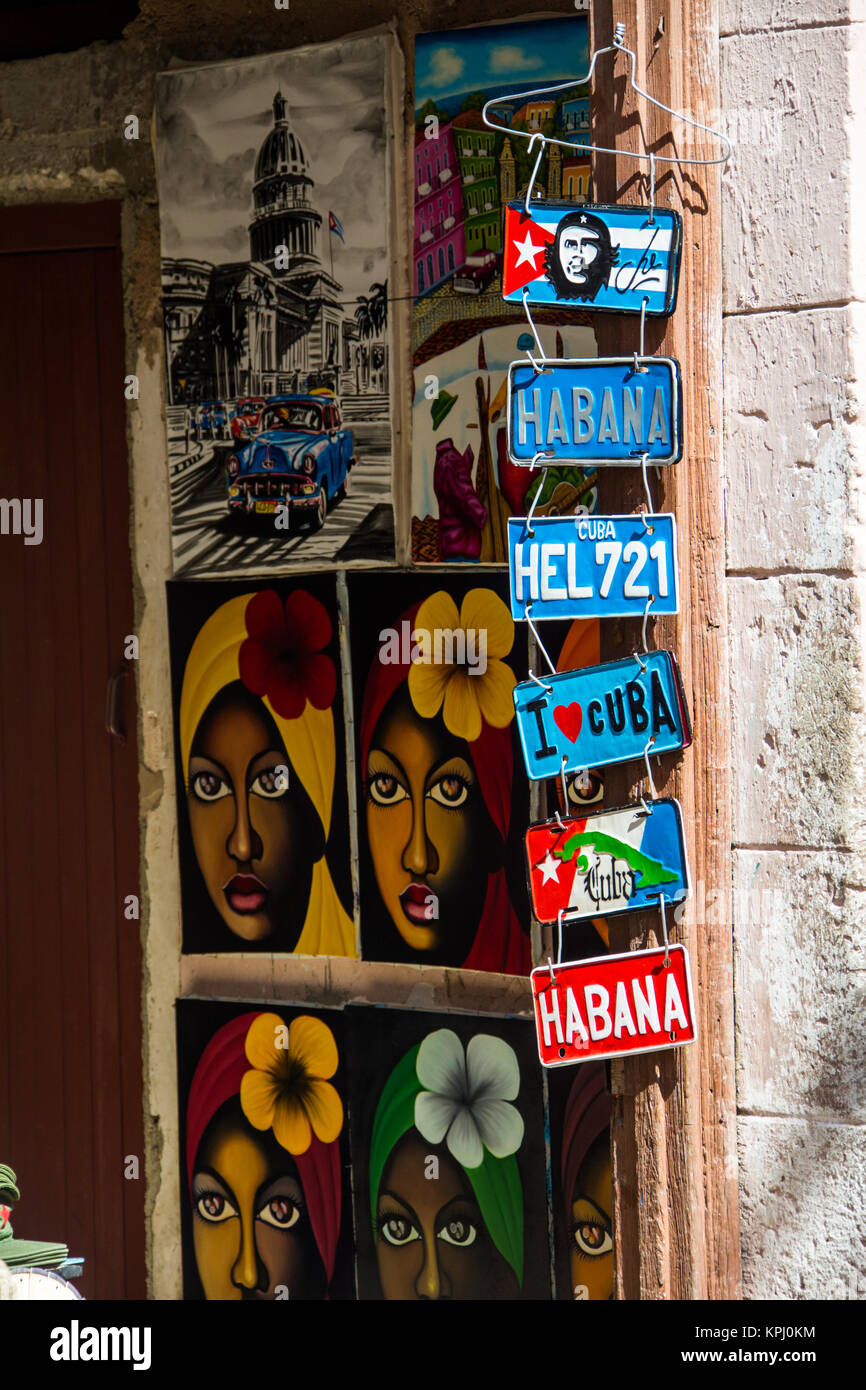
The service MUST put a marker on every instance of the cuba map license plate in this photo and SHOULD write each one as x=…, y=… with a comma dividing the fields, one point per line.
x=599, y=411
x=601, y=715
x=611, y=1006
x=586, y=255
x=593, y=566
x=610, y=862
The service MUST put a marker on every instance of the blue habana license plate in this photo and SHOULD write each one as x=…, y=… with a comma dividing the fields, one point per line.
x=621, y=860
x=585, y=255
x=602, y=715
x=599, y=411
x=593, y=566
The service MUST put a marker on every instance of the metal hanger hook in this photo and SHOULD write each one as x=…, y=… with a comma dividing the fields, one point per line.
x=528, y=613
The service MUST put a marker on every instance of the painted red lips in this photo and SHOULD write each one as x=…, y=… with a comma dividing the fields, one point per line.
x=419, y=903
x=245, y=893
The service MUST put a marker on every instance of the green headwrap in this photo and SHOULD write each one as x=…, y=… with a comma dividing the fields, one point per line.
x=496, y=1182
x=14, y=1252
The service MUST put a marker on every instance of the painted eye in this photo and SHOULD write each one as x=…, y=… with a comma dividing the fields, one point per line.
x=272, y=783
x=280, y=1212
x=458, y=1232
x=449, y=791
x=385, y=790
x=214, y=1207
x=592, y=1239
x=398, y=1230
x=209, y=786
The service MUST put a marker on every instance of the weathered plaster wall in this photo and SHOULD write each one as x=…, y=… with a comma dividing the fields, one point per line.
x=61, y=140
x=794, y=370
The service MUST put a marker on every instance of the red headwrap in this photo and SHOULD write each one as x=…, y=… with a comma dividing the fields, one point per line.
x=499, y=943
x=587, y=1115
x=217, y=1078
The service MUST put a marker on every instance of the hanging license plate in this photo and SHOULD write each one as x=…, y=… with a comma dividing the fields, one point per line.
x=593, y=566
x=588, y=255
x=601, y=715
x=599, y=411
x=614, y=861
x=610, y=1006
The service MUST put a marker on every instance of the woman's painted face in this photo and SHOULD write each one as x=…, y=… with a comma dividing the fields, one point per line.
x=431, y=838
x=591, y=1248
x=251, y=1231
x=247, y=813
x=431, y=1241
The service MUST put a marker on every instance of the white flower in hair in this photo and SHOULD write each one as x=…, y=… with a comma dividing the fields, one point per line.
x=466, y=1097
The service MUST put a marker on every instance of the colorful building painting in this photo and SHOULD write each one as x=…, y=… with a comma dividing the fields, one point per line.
x=464, y=335
x=476, y=145
x=439, y=240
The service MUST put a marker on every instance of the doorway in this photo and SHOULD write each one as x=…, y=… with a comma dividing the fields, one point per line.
x=70, y=959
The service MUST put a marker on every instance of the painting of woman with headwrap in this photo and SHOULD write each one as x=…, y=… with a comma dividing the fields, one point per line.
x=443, y=794
x=264, y=844
x=580, y=1114
x=263, y=1173
x=451, y=1201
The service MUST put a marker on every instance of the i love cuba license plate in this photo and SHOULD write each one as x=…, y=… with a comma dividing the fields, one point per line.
x=602, y=715
x=614, y=861
x=593, y=566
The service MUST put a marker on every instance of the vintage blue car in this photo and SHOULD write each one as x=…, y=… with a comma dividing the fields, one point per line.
x=300, y=458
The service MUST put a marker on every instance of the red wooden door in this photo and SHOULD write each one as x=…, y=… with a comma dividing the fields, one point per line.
x=70, y=966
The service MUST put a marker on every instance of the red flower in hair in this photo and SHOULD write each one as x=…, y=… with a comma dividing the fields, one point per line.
x=282, y=657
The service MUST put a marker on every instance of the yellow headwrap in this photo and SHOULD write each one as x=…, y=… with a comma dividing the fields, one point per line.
x=211, y=665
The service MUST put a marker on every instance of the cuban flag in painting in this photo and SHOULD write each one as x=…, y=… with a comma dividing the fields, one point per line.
x=583, y=255
x=615, y=861
x=335, y=225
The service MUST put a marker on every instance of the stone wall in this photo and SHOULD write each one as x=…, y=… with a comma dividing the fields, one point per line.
x=795, y=545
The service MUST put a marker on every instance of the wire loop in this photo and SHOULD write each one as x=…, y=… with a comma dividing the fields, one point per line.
x=527, y=612
x=618, y=46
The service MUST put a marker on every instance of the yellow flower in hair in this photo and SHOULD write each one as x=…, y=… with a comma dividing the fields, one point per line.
x=288, y=1089
x=458, y=666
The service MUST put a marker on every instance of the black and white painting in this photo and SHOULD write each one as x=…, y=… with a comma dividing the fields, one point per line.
x=274, y=195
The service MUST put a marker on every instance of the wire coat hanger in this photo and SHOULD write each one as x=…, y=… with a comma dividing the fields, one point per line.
x=617, y=46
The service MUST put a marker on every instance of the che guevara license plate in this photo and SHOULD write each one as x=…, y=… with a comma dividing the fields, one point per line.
x=610, y=1006
x=601, y=715
x=591, y=256
x=613, y=861
x=598, y=411
x=593, y=566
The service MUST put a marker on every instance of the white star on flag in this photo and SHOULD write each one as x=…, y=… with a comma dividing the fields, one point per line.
x=549, y=868
x=528, y=251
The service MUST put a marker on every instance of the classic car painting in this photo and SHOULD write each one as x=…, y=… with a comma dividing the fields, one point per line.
x=300, y=459
x=245, y=418
x=275, y=200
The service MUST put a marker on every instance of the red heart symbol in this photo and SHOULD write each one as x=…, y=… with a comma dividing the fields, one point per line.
x=569, y=718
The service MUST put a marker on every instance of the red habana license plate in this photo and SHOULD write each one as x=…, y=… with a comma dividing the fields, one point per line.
x=613, y=1006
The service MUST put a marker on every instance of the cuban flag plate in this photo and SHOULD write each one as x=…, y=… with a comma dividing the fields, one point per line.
x=609, y=862
x=584, y=255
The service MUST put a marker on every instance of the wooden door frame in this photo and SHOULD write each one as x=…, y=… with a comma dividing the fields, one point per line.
x=674, y=1129
x=51, y=227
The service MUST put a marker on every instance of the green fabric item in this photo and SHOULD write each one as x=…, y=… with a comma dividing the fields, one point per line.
x=395, y=1116
x=14, y=1252
x=496, y=1182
